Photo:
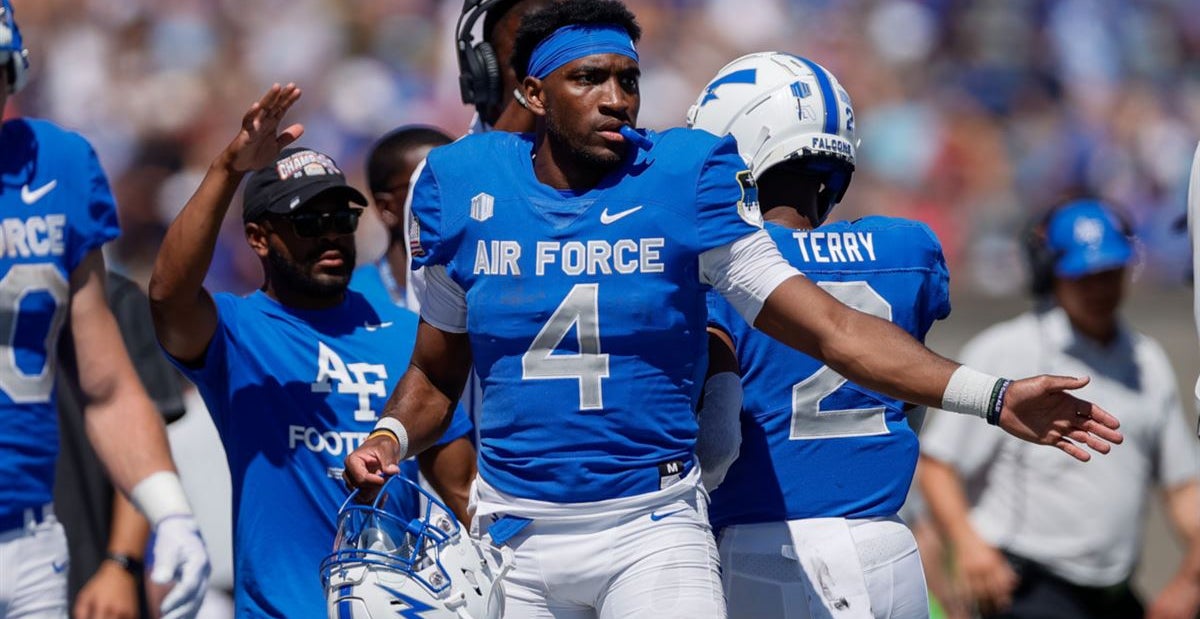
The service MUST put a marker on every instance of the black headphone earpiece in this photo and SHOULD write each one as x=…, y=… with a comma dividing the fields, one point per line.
x=1039, y=253
x=13, y=55
x=479, y=76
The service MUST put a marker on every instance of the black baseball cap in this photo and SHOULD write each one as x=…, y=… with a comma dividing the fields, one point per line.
x=296, y=177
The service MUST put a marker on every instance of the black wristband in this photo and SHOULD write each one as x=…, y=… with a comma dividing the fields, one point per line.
x=997, y=400
x=127, y=562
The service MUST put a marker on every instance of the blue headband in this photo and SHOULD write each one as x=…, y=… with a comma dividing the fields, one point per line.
x=573, y=42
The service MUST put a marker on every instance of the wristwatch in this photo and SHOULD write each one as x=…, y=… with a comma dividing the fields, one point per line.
x=127, y=562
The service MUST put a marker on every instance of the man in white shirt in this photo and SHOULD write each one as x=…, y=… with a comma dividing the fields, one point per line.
x=1039, y=535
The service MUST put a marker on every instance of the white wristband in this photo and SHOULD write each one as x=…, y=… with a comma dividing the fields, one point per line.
x=159, y=496
x=971, y=392
x=393, y=425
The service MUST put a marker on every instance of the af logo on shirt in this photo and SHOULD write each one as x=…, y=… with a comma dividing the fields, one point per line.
x=361, y=379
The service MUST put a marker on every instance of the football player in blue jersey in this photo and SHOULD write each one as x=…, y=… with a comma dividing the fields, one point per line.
x=296, y=373
x=571, y=265
x=56, y=212
x=825, y=464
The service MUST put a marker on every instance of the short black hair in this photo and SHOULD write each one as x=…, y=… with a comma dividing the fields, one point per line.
x=386, y=156
x=493, y=16
x=538, y=25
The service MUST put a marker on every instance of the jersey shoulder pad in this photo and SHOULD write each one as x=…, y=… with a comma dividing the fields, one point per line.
x=915, y=243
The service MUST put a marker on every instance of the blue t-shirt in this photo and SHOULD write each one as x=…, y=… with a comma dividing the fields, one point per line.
x=374, y=280
x=814, y=445
x=55, y=208
x=292, y=392
x=585, y=311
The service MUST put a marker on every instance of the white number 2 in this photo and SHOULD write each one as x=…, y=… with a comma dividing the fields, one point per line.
x=808, y=420
x=589, y=366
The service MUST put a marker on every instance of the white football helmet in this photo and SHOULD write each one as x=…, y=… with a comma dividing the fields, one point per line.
x=12, y=49
x=782, y=107
x=387, y=565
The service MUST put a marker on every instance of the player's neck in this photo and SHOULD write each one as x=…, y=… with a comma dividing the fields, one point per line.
x=788, y=218
x=1101, y=330
x=556, y=165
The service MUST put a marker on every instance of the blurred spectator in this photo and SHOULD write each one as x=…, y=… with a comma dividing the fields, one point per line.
x=1002, y=103
x=1039, y=535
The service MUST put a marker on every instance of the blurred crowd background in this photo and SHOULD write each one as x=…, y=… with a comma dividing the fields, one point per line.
x=973, y=115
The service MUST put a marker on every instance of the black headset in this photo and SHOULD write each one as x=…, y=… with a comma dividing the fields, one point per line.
x=479, y=76
x=13, y=53
x=1042, y=256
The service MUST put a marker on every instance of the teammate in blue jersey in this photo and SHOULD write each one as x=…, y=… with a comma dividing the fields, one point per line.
x=56, y=211
x=296, y=373
x=571, y=265
x=825, y=464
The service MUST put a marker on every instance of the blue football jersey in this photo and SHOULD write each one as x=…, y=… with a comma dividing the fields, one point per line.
x=814, y=445
x=585, y=311
x=292, y=392
x=55, y=208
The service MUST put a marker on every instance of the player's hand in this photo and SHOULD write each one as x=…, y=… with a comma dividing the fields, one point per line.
x=178, y=555
x=989, y=579
x=111, y=593
x=259, y=141
x=1040, y=411
x=1180, y=599
x=368, y=466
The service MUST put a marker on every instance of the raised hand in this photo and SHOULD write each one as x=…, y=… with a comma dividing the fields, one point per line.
x=259, y=141
x=1039, y=410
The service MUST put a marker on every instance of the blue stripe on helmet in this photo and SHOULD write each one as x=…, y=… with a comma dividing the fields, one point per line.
x=832, y=122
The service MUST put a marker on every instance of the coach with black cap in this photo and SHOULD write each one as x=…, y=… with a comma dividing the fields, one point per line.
x=296, y=373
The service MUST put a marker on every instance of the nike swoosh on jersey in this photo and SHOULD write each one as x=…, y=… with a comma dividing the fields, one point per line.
x=29, y=197
x=58, y=567
x=606, y=219
x=655, y=516
x=370, y=327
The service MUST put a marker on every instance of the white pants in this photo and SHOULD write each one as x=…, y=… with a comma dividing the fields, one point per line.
x=648, y=557
x=763, y=577
x=33, y=570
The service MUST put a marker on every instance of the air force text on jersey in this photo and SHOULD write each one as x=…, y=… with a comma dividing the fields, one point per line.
x=37, y=235
x=592, y=257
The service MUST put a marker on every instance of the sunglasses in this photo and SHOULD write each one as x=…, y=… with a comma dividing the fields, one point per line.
x=313, y=225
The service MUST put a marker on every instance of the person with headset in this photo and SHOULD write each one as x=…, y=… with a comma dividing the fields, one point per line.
x=58, y=212
x=1040, y=535
x=486, y=77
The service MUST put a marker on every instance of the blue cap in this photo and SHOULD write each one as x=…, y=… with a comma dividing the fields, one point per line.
x=1087, y=238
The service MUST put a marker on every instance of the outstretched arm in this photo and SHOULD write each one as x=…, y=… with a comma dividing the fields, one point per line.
x=185, y=316
x=418, y=411
x=879, y=355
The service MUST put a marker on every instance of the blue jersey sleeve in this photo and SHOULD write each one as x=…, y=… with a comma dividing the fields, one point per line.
x=95, y=223
x=726, y=197
x=428, y=233
x=939, y=284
